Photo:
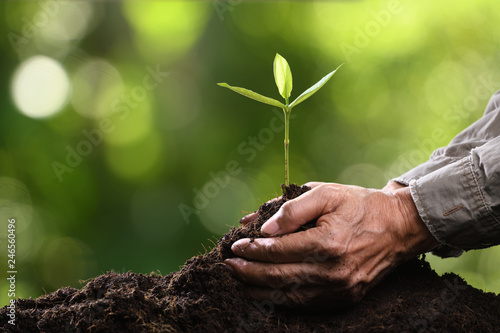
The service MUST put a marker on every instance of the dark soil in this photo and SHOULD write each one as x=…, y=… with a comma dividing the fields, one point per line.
x=204, y=297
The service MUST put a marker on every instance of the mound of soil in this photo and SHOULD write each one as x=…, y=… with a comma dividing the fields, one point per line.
x=204, y=297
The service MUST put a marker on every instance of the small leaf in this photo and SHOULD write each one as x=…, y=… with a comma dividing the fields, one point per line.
x=282, y=76
x=309, y=92
x=253, y=95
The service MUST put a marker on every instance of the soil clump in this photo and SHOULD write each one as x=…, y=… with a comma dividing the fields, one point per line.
x=204, y=297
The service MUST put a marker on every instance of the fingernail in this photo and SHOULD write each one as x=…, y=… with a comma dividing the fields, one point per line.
x=270, y=228
x=249, y=218
x=229, y=267
x=243, y=219
x=238, y=246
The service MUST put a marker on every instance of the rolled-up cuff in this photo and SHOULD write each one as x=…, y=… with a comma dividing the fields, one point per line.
x=444, y=250
x=448, y=203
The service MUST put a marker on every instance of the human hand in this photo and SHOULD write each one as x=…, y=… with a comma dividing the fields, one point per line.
x=360, y=235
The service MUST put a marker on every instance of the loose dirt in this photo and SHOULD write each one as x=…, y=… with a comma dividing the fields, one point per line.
x=204, y=297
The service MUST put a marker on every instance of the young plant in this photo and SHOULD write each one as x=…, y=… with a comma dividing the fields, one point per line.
x=283, y=78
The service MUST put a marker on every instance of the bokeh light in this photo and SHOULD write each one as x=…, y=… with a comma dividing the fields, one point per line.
x=64, y=261
x=415, y=78
x=271, y=22
x=166, y=29
x=68, y=21
x=15, y=202
x=220, y=201
x=179, y=109
x=40, y=87
x=97, y=87
x=142, y=159
x=132, y=120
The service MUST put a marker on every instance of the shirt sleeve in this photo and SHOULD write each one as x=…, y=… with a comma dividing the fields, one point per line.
x=460, y=203
x=457, y=192
x=479, y=133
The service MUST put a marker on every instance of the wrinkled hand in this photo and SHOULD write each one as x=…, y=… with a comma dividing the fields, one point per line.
x=360, y=235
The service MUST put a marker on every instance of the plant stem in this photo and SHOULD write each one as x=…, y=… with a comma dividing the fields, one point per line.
x=287, y=143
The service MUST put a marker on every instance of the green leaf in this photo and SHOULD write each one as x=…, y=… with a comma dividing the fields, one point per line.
x=282, y=76
x=309, y=92
x=253, y=95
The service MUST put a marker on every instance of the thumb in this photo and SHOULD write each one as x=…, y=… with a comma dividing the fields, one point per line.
x=297, y=212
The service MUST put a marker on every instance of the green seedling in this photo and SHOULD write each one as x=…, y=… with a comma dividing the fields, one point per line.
x=283, y=78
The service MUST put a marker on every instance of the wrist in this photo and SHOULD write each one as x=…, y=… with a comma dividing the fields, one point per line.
x=392, y=187
x=415, y=236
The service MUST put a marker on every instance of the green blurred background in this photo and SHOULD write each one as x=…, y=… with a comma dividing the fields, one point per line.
x=103, y=155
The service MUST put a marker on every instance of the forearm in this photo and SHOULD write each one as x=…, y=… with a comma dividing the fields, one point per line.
x=417, y=237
